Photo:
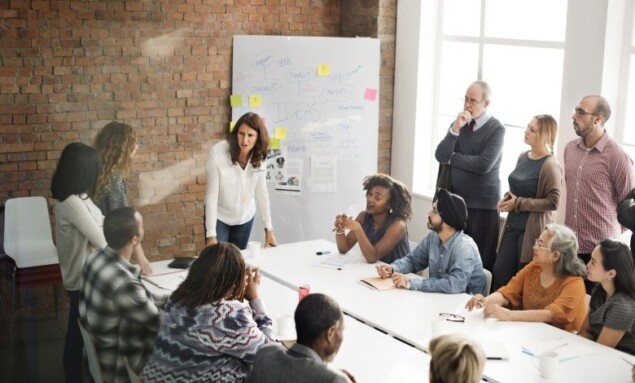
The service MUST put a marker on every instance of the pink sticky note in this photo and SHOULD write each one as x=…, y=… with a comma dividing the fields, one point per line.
x=370, y=94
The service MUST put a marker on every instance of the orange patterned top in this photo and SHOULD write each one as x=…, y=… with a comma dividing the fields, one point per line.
x=565, y=298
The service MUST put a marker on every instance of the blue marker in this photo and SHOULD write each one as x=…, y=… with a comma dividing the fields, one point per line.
x=323, y=252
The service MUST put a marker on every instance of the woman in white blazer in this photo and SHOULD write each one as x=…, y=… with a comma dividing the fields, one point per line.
x=236, y=184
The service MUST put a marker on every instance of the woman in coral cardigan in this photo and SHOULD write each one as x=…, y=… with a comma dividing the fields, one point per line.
x=550, y=289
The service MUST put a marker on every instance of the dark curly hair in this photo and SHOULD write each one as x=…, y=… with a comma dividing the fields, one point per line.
x=400, y=198
x=259, y=152
x=217, y=273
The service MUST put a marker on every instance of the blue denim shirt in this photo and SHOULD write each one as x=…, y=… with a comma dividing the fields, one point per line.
x=455, y=267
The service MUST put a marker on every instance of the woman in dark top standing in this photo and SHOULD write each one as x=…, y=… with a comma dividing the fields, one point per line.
x=532, y=200
x=117, y=146
x=611, y=319
x=380, y=229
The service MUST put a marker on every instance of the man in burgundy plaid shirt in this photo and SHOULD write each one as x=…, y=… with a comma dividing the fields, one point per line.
x=598, y=175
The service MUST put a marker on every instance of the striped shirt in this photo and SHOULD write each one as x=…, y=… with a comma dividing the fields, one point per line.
x=119, y=312
x=597, y=179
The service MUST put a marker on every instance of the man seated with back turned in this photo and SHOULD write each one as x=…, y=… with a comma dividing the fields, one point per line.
x=319, y=325
x=113, y=303
x=451, y=255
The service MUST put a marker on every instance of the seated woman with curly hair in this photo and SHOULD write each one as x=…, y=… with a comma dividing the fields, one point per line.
x=207, y=333
x=381, y=229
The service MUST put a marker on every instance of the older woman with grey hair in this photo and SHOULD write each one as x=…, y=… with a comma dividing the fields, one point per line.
x=550, y=289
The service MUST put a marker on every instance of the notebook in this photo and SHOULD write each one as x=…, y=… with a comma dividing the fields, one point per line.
x=494, y=349
x=377, y=283
x=181, y=262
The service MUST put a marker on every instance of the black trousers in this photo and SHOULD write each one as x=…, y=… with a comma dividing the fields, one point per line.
x=74, y=346
x=508, y=259
x=483, y=226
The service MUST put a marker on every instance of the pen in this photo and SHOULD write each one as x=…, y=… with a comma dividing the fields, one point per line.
x=557, y=347
x=323, y=252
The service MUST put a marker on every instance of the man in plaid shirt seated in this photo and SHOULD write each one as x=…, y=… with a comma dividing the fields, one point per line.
x=113, y=303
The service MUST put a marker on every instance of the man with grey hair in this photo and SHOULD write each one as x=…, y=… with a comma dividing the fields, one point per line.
x=473, y=147
x=598, y=175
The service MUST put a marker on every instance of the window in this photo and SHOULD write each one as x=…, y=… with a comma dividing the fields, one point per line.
x=523, y=50
x=628, y=138
x=498, y=41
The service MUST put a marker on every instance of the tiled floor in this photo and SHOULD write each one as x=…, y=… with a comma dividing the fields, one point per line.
x=35, y=352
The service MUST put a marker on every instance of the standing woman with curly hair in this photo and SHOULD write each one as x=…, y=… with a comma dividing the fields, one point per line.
x=236, y=184
x=117, y=146
x=381, y=229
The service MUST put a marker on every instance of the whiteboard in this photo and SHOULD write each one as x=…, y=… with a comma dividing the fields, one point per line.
x=320, y=97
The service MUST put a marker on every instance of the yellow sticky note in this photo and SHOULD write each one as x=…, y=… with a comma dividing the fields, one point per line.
x=280, y=133
x=324, y=69
x=274, y=144
x=236, y=100
x=255, y=100
x=231, y=125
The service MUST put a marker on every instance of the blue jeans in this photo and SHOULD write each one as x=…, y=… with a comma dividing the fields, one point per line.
x=237, y=234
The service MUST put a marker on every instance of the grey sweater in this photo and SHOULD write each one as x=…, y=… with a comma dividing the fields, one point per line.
x=475, y=159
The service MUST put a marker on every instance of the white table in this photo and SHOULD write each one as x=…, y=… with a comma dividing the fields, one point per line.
x=406, y=316
x=370, y=355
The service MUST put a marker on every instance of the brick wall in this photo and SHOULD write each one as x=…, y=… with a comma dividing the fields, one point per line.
x=69, y=67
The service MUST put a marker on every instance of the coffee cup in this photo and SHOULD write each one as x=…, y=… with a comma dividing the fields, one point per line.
x=285, y=327
x=548, y=364
x=254, y=248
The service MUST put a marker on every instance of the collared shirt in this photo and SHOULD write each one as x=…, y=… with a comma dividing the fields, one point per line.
x=455, y=266
x=597, y=179
x=480, y=121
x=231, y=191
x=119, y=312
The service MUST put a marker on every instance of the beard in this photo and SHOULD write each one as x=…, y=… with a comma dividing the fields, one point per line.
x=580, y=131
x=434, y=227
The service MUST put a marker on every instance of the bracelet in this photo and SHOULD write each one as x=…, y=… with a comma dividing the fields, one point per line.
x=341, y=232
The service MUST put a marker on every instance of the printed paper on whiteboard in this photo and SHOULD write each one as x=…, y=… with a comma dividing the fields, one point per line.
x=323, y=174
x=288, y=175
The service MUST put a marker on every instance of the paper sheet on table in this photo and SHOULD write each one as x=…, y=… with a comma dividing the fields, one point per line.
x=165, y=281
x=336, y=261
x=566, y=350
x=378, y=283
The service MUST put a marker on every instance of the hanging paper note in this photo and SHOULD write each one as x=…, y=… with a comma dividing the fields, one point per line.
x=280, y=133
x=236, y=100
x=231, y=125
x=323, y=69
x=255, y=100
x=275, y=144
x=370, y=94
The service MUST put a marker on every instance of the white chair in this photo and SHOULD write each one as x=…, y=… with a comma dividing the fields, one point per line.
x=132, y=375
x=93, y=360
x=28, y=243
x=488, y=281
